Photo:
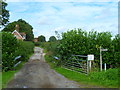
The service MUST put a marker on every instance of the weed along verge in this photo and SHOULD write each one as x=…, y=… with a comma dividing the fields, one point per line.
x=60, y=45
x=9, y=75
x=14, y=54
x=108, y=79
x=93, y=79
x=69, y=57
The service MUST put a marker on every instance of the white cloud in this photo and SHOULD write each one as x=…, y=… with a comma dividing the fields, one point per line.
x=60, y=29
x=66, y=16
x=44, y=21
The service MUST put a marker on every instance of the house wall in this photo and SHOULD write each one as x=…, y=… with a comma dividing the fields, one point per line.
x=17, y=36
x=35, y=40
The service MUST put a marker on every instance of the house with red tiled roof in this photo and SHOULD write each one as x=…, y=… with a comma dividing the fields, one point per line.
x=35, y=40
x=18, y=35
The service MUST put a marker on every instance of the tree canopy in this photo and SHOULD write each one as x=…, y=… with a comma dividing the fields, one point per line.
x=4, y=13
x=23, y=27
x=42, y=38
x=79, y=42
x=52, y=39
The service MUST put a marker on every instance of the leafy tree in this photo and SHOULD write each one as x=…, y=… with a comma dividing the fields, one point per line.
x=23, y=27
x=79, y=42
x=52, y=39
x=41, y=38
x=95, y=40
x=9, y=47
x=57, y=35
x=4, y=13
x=116, y=50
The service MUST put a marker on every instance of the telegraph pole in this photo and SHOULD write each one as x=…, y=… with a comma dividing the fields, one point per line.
x=100, y=59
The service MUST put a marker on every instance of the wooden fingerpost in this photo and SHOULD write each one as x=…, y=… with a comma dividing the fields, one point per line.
x=100, y=59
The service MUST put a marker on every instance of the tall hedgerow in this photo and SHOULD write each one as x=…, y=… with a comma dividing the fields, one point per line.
x=11, y=48
x=79, y=42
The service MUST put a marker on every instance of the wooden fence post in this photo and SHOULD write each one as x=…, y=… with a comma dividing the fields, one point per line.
x=87, y=66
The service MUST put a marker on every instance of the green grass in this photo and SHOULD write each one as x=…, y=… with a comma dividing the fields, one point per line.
x=7, y=76
x=88, y=79
x=108, y=79
x=45, y=50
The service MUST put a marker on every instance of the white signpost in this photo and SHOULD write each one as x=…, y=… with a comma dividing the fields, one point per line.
x=90, y=58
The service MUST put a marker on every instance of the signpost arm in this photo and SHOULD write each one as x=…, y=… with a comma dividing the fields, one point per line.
x=87, y=66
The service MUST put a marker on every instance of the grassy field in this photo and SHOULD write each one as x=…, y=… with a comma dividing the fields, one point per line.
x=7, y=76
x=108, y=79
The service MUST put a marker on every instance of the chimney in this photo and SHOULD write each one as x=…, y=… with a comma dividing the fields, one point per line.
x=17, y=27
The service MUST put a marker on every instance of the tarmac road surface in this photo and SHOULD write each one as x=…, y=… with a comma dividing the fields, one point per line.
x=36, y=73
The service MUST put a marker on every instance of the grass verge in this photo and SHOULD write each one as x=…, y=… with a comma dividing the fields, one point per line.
x=7, y=76
x=108, y=79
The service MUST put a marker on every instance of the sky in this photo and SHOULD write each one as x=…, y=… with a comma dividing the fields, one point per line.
x=48, y=16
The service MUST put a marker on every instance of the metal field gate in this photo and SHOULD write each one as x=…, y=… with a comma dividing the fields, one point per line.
x=77, y=63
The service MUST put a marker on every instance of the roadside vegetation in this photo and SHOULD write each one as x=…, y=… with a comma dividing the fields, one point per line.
x=12, y=48
x=9, y=75
x=108, y=79
x=79, y=42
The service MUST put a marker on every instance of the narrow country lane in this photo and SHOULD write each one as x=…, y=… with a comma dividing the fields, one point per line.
x=36, y=73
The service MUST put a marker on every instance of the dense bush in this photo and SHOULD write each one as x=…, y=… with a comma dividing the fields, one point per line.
x=52, y=39
x=52, y=51
x=0, y=49
x=42, y=38
x=51, y=46
x=37, y=43
x=25, y=49
x=116, y=50
x=79, y=42
x=110, y=77
x=11, y=47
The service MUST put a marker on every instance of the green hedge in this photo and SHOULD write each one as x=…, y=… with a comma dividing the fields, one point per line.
x=51, y=46
x=11, y=47
x=25, y=49
x=79, y=42
x=107, y=78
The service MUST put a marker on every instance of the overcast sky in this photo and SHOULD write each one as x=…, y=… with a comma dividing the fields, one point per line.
x=47, y=16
